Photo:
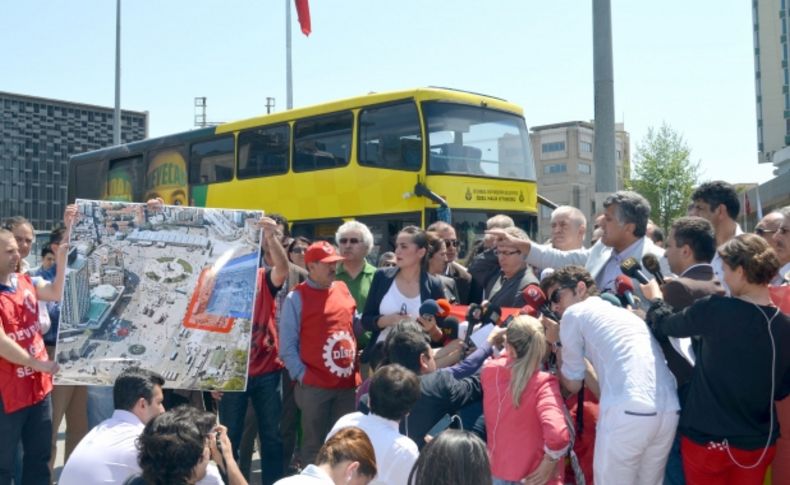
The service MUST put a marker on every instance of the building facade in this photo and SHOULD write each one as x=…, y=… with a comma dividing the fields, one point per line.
x=566, y=170
x=771, y=19
x=37, y=137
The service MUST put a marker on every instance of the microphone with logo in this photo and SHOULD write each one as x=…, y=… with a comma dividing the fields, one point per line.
x=650, y=262
x=625, y=289
x=631, y=268
x=535, y=298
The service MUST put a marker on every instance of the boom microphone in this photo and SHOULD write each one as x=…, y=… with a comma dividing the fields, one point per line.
x=630, y=267
x=625, y=289
x=650, y=262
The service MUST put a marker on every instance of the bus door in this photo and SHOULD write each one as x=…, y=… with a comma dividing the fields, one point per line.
x=385, y=229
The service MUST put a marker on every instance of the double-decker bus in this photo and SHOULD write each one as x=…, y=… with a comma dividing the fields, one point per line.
x=385, y=159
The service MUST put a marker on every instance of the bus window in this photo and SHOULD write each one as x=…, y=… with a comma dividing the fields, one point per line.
x=323, y=230
x=167, y=176
x=385, y=229
x=321, y=143
x=263, y=151
x=125, y=180
x=211, y=161
x=390, y=137
x=88, y=180
x=478, y=141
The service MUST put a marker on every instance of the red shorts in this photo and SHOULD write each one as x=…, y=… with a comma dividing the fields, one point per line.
x=711, y=464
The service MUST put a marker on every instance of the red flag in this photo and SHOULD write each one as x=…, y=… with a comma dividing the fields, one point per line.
x=780, y=296
x=303, y=13
x=746, y=203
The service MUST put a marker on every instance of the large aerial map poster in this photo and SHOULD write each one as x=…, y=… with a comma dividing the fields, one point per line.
x=168, y=288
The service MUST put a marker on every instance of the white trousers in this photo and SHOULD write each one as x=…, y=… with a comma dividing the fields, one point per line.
x=631, y=448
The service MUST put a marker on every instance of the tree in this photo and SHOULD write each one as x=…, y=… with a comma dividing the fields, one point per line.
x=664, y=174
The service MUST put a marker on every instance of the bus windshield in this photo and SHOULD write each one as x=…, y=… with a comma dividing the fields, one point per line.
x=477, y=141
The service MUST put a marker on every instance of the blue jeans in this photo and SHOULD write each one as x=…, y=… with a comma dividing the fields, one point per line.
x=673, y=475
x=499, y=481
x=31, y=426
x=266, y=395
x=100, y=405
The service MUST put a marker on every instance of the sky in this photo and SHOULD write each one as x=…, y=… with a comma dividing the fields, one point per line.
x=687, y=64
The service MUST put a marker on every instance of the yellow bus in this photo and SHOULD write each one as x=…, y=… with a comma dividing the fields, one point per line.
x=385, y=159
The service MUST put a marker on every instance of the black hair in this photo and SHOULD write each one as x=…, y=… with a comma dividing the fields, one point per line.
x=46, y=250
x=12, y=222
x=631, y=208
x=696, y=233
x=658, y=235
x=455, y=457
x=132, y=384
x=282, y=221
x=56, y=235
x=171, y=445
x=405, y=344
x=393, y=391
x=568, y=277
x=716, y=193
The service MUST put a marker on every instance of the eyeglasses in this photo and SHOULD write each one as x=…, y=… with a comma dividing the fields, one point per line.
x=298, y=250
x=349, y=240
x=761, y=231
x=452, y=242
x=505, y=253
x=555, y=295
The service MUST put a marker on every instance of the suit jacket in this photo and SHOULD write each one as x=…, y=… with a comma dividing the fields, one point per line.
x=594, y=259
x=697, y=282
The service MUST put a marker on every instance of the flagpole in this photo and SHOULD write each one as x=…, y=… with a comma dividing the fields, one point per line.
x=116, y=118
x=289, y=96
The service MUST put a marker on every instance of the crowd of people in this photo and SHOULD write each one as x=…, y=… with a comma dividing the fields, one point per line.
x=645, y=357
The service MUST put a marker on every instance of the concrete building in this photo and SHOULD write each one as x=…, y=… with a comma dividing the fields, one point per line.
x=566, y=170
x=37, y=137
x=77, y=294
x=772, y=81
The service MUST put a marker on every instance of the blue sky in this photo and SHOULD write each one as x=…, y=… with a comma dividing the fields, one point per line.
x=689, y=64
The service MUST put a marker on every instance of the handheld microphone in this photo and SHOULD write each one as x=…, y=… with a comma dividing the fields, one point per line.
x=529, y=310
x=631, y=268
x=625, y=289
x=650, y=262
x=491, y=314
x=611, y=298
x=449, y=328
x=473, y=316
x=535, y=298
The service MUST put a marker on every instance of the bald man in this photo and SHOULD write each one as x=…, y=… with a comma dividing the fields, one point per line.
x=568, y=226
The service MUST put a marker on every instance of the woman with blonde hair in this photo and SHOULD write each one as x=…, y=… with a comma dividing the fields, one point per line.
x=527, y=434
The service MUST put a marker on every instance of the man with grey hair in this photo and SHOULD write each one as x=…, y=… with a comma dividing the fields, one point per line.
x=355, y=241
x=781, y=244
x=453, y=268
x=624, y=227
x=504, y=289
x=484, y=266
x=568, y=226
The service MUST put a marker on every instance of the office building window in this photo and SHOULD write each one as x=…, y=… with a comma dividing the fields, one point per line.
x=545, y=212
x=557, y=146
x=585, y=146
x=584, y=167
x=555, y=168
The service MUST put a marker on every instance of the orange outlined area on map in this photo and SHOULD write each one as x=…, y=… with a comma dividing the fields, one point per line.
x=196, y=316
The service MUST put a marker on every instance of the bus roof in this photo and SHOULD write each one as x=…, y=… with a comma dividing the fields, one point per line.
x=420, y=94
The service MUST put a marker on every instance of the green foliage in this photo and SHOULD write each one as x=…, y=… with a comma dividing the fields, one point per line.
x=664, y=174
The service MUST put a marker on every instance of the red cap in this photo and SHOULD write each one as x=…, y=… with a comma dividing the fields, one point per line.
x=321, y=252
x=444, y=307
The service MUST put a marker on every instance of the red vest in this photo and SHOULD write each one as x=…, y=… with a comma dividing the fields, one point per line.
x=265, y=345
x=21, y=386
x=327, y=345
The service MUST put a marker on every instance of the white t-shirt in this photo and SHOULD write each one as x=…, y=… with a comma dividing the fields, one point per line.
x=631, y=367
x=108, y=454
x=395, y=453
x=395, y=303
x=311, y=475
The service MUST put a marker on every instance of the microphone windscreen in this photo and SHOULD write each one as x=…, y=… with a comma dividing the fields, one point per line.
x=429, y=307
x=622, y=284
x=632, y=268
x=650, y=262
x=533, y=296
x=449, y=327
x=529, y=310
x=611, y=299
x=444, y=307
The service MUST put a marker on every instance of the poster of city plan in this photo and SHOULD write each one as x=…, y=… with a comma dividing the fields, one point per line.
x=168, y=289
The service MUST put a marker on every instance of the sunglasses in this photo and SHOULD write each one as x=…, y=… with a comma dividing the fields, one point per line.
x=349, y=240
x=555, y=295
x=505, y=253
x=452, y=242
x=298, y=250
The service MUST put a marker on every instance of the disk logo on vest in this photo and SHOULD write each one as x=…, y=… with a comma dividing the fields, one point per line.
x=339, y=353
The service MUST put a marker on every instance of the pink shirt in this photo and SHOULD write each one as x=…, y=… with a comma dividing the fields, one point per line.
x=517, y=437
